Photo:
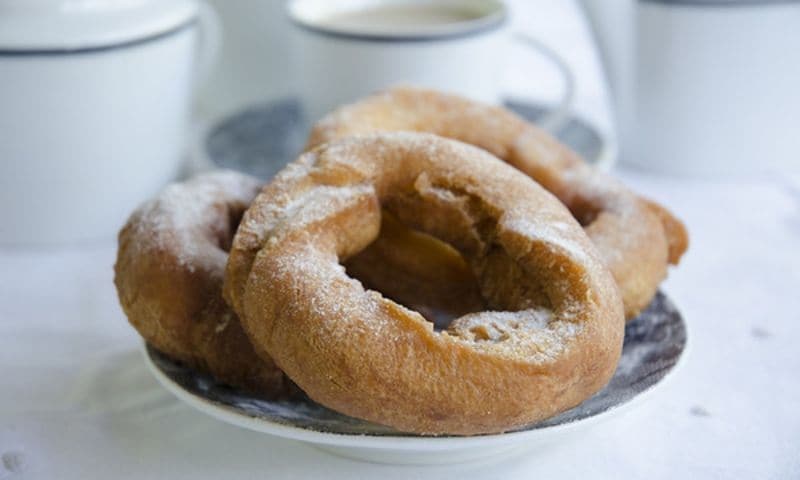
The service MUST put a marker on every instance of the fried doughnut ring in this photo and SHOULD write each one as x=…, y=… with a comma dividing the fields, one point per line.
x=636, y=237
x=169, y=269
x=553, y=339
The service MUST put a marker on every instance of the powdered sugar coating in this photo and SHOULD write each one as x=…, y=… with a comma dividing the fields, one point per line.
x=189, y=218
x=169, y=273
x=363, y=354
x=531, y=333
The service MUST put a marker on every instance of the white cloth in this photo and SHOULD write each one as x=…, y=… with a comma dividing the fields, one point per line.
x=76, y=400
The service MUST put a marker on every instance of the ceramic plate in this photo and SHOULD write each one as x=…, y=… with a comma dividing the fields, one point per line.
x=262, y=138
x=654, y=342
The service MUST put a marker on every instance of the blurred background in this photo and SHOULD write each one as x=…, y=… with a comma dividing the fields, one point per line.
x=132, y=94
x=694, y=103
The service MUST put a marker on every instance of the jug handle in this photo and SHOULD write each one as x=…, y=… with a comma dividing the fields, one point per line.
x=555, y=119
x=209, y=42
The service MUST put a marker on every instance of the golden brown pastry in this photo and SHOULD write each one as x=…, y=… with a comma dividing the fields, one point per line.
x=550, y=338
x=636, y=237
x=169, y=269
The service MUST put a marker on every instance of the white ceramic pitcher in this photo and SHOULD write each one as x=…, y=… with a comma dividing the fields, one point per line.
x=703, y=87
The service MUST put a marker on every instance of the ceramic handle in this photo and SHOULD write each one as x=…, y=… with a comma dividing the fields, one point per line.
x=209, y=42
x=555, y=119
x=613, y=27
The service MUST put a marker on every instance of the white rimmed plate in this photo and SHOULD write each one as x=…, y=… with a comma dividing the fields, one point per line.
x=654, y=342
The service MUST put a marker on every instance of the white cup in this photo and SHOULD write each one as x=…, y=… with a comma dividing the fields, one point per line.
x=254, y=60
x=717, y=87
x=336, y=62
x=704, y=88
x=95, y=97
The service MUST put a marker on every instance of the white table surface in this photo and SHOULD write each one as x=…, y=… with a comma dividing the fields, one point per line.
x=76, y=400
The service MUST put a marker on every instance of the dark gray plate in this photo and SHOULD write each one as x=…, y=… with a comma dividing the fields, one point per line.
x=654, y=342
x=263, y=138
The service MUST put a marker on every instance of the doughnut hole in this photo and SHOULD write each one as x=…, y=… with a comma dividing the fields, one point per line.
x=222, y=234
x=584, y=211
x=397, y=265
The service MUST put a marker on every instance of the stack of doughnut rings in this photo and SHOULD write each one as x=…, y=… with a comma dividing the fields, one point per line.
x=429, y=263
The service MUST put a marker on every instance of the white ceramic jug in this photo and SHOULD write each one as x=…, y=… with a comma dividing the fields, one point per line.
x=703, y=87
x=94, y=99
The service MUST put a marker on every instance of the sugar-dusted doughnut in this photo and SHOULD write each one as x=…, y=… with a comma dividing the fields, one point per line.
x=550, y=337
x=169, y=270
x=636, y=237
